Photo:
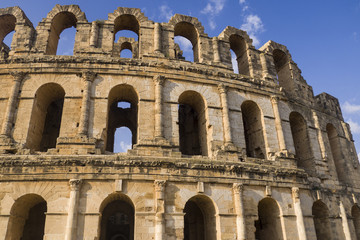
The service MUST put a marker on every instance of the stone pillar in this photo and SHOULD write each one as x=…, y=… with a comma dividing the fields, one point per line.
x=216, y=51
x=70, y=231
x=298, y=212
x=225, y=114
x=345, y=222
x=238, y=189
x=278, y=125
x=251, y=67
x=12, y=102
x=94, y=34
x=265, y=70
x=157, y=38
x=159, y=209
x=159, y=83
x=85, y=105
x=320, y=135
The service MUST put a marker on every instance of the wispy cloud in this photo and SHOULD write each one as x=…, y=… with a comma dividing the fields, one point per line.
x=165, y=12
x=212, y=9
x=253, y=26
x=234, y=63
x=185, y=45
x=349, y=108
x=124, y=146
x=242, y=1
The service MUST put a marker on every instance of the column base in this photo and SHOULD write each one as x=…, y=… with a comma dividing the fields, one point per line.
x=80, y=144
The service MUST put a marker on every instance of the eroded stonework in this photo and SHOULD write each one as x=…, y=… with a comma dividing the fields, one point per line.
x=215, y=154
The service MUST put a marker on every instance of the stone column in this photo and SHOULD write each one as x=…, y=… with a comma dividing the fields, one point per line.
x=159, y=209
x=225, y=114
x=70, y=231
x=11, y=104
x=278, y=125
x=238, y=189
x=345, y=223
x=85, y=105
x=159, y=83
x=298, y=212
x=251, y=67
x=215, y=41
x=265, y=70
x=157, y=38
x=320, y=135
x=94, y=34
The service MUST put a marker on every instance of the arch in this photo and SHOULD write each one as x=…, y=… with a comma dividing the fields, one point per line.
x=253, y=129
x=239, y=46
x=188, y=31
x=301, y=142
x=355, y=214
x=7, y=25
x=117, y=221
x=268, y=225
x=335, y=150
x=121, y=117
x=192, y=124
x=200, y=219
x=45, y=122
x=27, y=218
x=321, y=220
x=281, y=62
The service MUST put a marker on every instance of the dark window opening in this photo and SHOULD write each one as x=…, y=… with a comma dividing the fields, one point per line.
x=189, y=39
x=268, y=225
x=239, y=47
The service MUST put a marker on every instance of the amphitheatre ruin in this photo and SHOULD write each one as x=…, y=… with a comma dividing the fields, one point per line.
x=215, y=154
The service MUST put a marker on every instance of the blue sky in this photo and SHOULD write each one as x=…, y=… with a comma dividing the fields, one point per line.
x=322, y=36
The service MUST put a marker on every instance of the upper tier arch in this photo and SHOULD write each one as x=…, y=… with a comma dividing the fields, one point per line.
x=178, y=18
x=229, y=31
x=74, y=9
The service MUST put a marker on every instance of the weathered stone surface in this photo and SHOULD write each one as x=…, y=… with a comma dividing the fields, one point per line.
x=215, y=154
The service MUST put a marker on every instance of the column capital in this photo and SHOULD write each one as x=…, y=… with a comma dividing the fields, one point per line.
x=159, y=80
x=18, y=75
x=238, y=188
x=274, y=99
x=75, y=184
x=295, y=192
x=222, y=88
x=88, y=76
x=159, y=185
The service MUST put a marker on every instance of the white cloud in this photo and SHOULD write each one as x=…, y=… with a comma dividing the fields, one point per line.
x=212, y=9
x=242, y=1
x=354, y=126
x=253, y=26
x=349, y=108
x=165, y=12
x=124, y=146
x=358, y=156
x=234, y=63
x=185, y=44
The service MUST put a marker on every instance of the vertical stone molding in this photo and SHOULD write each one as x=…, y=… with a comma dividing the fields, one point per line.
x=268, y=191
x=12, y=102
x=278, y=125
x=345, y=222
x=94, y=34
x=157, y=38
x=225, y=114
x=88, y=78
x=251, y=67
x=159, y=81
x=319, y=135
x=238, y=189
x=299, y=214
x=215, y=41
x=159, y=209
x=70, y=231
x=265, y=70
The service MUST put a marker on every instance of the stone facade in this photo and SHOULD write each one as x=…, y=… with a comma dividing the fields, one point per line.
x=216, y=155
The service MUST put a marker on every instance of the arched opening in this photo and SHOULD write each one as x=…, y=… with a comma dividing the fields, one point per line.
x=268, y=225
x=126, y=34
x=45, y=122
x=183, y=49
x=253, y=130
x=282, y=68
x=336, y=152
x=127, y=26
x=126, y=50
x=199, y=219
x=321, y=220
x=234, y=62
x=27, y=218
x=355, y=213
x=123, y=139
x=60, y=22
x=239, y=47
x=7, y=30
x=122, y=112
x=301, y=142
x=192, y=124
x=117, y=218
x=188, y=31
x=66, y=45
